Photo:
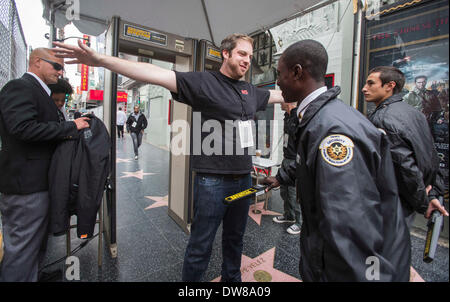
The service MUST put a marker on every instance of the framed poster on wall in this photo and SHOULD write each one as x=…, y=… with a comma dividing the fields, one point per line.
x=414, y=37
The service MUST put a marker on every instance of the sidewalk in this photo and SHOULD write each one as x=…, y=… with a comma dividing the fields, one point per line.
x=151, y=245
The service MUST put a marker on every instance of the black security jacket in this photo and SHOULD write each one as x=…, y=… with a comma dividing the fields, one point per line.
x=415, y=158
x=29, y=131
x=352, y=217
x=77, y=177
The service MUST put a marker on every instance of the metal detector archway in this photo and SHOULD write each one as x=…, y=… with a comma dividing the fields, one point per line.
x=134, y=39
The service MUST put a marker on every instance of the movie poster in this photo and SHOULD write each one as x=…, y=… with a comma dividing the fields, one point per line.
x=415, y=40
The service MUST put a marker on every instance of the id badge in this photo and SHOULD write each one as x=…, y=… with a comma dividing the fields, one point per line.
x=245, y=134
x=134, y=125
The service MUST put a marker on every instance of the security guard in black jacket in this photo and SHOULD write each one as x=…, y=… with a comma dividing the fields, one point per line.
x=415, y=159
x=353, y=227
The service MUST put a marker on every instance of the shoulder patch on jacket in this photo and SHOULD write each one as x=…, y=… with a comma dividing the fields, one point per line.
x=337, y=149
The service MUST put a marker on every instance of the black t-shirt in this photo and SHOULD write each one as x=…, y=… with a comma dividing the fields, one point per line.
x=221, y=101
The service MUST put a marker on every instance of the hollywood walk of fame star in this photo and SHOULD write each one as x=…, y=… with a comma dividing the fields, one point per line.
x=260, y=269
x=257, y=217
x=414, y=276
x=138, y=174
x=123, y=160
x=160, y=201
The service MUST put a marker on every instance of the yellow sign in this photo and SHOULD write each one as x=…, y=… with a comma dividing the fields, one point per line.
x=213, y=53
x=145, y=35
x=138, y=33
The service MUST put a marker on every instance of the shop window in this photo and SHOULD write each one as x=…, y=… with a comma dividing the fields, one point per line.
x=263, y=62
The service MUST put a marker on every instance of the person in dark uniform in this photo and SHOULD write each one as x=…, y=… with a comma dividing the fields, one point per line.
x=353, y=227
x=30, y=129
x=415, y=158
x=59, y=91
x=287, y=192
x=220, y=99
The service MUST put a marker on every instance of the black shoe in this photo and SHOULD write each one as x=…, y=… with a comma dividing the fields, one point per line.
x=53, y=276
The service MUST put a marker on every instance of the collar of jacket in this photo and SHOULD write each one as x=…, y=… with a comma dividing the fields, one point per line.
x=28, y=77
x=318, y=103
x=390, y=100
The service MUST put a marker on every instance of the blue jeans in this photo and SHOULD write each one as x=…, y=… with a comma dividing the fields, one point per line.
x=209, y=211
x=137, y=141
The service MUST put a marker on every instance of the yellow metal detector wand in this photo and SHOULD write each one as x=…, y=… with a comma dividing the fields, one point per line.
x=255, y=190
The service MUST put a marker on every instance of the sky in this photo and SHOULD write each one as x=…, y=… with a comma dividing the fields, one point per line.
x=34, y=28
x=33, y=25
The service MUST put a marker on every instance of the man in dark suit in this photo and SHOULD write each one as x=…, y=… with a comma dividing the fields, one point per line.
x=29, y=131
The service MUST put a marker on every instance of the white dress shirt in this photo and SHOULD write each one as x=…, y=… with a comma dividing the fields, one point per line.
x=41, y=82
x=306, y=101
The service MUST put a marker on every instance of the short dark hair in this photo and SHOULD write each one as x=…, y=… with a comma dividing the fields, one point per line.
x=61, y=87
x=311, y=55
x=390, y=74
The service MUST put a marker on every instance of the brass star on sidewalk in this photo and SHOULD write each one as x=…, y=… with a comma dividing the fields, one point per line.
x=257, y=216
x=260, y=269
x=138, y=174
x=160, y=201
x=414, y=276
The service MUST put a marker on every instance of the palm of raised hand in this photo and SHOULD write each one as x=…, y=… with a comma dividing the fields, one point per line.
x=80, y=54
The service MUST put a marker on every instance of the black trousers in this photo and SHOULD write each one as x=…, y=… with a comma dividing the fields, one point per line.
x=119, y=130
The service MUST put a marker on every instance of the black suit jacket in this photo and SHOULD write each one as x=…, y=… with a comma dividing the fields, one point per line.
x=29, y=131
x=77, y=177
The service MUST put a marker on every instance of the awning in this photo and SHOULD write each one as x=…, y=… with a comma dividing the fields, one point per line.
x=199, y=19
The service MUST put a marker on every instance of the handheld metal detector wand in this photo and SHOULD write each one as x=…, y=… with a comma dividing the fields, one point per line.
x=434, y=224
x=255, y=190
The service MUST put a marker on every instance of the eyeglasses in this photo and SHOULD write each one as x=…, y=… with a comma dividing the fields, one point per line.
x=55, y=65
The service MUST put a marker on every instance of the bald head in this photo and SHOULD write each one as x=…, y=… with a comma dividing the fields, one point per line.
x=44, y=53
x=42, y=63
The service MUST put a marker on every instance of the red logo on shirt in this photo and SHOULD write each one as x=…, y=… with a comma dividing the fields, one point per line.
x=244, y=91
